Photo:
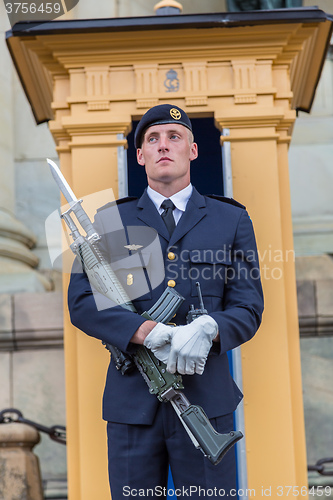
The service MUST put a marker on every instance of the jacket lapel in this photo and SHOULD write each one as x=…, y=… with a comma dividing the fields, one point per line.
x=148, y=214
x=195, y=211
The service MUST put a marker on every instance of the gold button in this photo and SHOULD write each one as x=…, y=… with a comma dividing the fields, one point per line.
x=171, y=256
x=171, y=283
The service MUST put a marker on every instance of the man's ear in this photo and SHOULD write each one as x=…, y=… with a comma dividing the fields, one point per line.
x=139, y=157
x=194, y=151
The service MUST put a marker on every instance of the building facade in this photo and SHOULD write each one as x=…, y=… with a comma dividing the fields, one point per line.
x=31, y=348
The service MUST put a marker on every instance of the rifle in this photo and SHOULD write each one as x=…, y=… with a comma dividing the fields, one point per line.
x=166, y=386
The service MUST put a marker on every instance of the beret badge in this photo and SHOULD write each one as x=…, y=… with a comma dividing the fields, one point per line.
x=175, y=114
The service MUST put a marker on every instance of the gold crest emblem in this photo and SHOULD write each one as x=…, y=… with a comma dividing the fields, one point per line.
x=130, y=279
x=175, y=114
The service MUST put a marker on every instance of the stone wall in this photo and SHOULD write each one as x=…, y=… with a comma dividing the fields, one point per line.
x=32, y=372
x=315, y=300
x=311, y=171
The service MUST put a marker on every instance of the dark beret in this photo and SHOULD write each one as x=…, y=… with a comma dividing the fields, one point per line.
x=160, y=115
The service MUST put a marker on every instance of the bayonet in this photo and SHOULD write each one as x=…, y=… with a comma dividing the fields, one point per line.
x=62, y=183
x=74, y=203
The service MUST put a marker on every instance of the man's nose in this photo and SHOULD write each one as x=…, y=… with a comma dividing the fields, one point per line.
x=163, y=143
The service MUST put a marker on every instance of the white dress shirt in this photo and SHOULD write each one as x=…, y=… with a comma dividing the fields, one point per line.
x=179, y=199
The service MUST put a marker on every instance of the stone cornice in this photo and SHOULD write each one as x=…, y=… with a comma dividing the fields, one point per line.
x=315, y=307
x=31, y=321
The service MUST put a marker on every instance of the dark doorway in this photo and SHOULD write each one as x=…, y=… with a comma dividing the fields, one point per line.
x=206, y=170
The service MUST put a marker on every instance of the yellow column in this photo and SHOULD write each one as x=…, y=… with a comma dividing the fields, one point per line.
x=275, y=439
x=87, y=147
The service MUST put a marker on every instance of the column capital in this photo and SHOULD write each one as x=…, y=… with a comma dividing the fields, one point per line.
x=255, y=124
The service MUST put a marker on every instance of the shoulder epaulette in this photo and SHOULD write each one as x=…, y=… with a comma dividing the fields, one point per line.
x=126, y=199
x=225, y=199
x=117, y=202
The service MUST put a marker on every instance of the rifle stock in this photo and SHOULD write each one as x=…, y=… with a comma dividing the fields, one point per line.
x=212, y=444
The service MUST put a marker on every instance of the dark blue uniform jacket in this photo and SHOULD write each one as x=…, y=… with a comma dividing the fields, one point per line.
x=213, y=243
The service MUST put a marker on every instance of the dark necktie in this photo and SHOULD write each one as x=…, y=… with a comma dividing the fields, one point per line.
x=167, y=215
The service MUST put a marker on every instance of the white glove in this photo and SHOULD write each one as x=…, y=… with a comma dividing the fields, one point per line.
x=190, y=345
x=159, y=341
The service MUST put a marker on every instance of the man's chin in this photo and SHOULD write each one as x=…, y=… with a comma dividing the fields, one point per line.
x=166, y=174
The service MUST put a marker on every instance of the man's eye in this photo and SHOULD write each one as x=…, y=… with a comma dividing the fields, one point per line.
x=174, y=136
x=152, y=139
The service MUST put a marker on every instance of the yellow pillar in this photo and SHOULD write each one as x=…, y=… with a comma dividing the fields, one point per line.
x=272, y=385
x=87, y=148
x=273, y=405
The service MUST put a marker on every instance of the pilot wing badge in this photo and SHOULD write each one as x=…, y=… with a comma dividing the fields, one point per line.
x=133, y=247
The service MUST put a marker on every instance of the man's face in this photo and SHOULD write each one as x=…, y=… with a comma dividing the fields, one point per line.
x=166, y=153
